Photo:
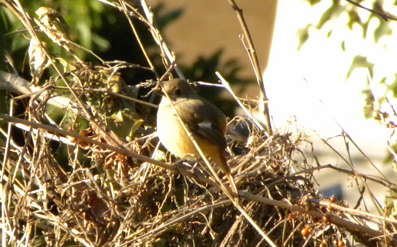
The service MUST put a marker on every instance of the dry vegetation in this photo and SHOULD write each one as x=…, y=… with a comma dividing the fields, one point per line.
x=107, y=192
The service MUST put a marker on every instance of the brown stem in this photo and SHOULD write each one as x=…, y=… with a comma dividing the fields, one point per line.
x=255, y=64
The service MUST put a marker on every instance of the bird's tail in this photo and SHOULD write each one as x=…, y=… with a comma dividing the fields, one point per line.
x=220, y=160
x=232, y=183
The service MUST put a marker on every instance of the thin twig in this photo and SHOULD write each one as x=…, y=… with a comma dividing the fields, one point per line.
x=139, y=40
x=120, y=150
x=227, y=86
x=162, y=227
x=372, y=178
x=236, y=203
x=384, y=16
x=335, y=220
x=159, y=40
x=90, y=117
x=351, y=210
x=255, y=64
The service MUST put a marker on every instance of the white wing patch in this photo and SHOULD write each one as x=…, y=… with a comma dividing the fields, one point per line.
x=205, y=125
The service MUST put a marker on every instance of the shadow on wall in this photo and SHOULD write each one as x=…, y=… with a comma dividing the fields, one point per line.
x=207, y=26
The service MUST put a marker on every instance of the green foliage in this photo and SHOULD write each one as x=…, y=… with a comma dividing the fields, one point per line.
x=383, y=29
x=360, y=62
x=375, y=24
x=354, y=18
x=376, y=27
x=303, y=35
x=334, y=10
x=313, y=2
x=106, y=31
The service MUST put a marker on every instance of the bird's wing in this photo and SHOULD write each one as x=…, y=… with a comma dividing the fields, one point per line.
x=205, y=121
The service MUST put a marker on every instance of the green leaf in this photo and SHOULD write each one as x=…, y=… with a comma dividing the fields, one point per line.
x=360, y=62
x=378, y=6
x=329, y=34
x=303, y=35
x=354, y=18
x=382, y=30
x=392, y=86
x=313, y=2
x=365, y=28
x=124, y=123
x=329, y=13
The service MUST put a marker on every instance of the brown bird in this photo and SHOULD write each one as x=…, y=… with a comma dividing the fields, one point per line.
x=204, y=120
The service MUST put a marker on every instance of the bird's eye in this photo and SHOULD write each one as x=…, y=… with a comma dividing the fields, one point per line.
x=178, y=92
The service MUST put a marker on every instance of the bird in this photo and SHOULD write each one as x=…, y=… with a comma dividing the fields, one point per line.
x=53, y=24
x=205, y=121
x=38, y=61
